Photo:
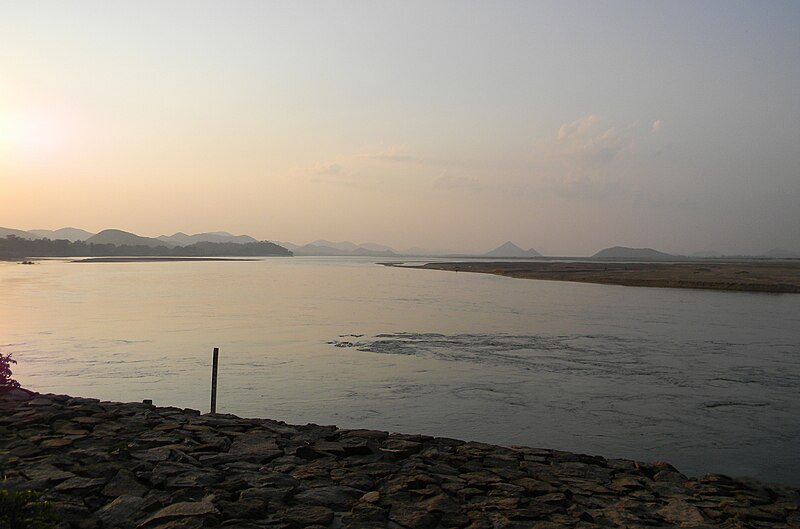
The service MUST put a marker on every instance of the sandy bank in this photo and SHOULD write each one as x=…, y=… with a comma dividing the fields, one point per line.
x=155, y=259
x=103, y=464
x=775, y=277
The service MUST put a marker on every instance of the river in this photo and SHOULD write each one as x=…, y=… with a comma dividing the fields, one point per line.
x=708, y=381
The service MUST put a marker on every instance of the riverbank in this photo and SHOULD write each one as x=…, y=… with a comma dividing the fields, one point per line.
x=104, y=464
x=155, y=259
x=750, y=276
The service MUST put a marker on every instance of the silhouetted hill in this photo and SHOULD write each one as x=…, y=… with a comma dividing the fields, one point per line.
x=69, y=234
x=622, y=252
x=124, y=238
x=182, y=239
x=509, y=249
x=5, y=232
x=17, y=247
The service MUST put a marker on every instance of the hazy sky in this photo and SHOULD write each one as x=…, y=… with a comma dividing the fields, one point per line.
x=565, y=126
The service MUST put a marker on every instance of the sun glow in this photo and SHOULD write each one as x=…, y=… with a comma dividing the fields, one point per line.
x=30, y=135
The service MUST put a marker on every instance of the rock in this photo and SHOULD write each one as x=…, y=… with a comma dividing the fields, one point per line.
x=681, y=513
x=371, y=497
x=180, y=510
x=252, y=508
x=305, y=515
x=337, y=498
x=55, y=443
x=124, y=483
x=15, y=394
x=41, y=401
x=122, y=513
x=81, y=485
x=107, y=465
x=182, y=523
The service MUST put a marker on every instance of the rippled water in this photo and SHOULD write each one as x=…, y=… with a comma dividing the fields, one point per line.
x=709, y=381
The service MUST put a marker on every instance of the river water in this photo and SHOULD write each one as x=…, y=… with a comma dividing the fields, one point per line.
x=708, y=381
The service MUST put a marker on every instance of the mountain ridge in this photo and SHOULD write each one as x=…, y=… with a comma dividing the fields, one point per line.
x=624, y=252
x=125, y=238
x=509, y=249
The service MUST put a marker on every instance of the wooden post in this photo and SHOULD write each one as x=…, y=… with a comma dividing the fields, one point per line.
x=214, y=367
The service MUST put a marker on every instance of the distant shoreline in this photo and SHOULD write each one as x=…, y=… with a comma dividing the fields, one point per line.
x=155, y=259
x=781, y=277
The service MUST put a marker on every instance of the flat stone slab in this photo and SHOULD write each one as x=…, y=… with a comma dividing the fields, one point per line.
x=136, y=466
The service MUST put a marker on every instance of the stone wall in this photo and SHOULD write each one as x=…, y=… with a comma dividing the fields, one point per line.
x=112, y=465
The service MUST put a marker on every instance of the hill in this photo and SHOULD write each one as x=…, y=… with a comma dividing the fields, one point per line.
x=622, y=252
x=328, y=248
x=5, y=232
x=69, y=234
x=124, y=238
x=509, y=249
x=182, y=239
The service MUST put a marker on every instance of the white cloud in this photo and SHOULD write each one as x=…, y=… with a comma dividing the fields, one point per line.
x=584, y=158
x=577, y=128
x=656, y=126
x=583, y=143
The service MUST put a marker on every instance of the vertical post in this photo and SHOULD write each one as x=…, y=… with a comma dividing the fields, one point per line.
x=214, y=367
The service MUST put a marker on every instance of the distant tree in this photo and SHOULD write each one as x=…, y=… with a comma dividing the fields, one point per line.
x=5, y=371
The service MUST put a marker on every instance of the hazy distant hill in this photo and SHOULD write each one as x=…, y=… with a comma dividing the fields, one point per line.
x=707, y=255
x=374, y=247
x=509, y=249
x=351, y=247
x=5, y=232
x=622, y=252
x=328, y=248
x=781, y=253
x=69, y=234
x=182, y=239
x=124, y=238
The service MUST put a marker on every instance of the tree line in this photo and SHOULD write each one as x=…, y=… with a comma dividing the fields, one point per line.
x=13, y=247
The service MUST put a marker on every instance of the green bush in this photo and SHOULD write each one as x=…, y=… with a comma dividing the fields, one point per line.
x=24, y=510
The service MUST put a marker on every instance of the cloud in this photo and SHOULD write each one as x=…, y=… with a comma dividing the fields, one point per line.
x=584, y=158
x=393, y=154
x=392, y=157
x=328, y=170
x=581, y=141
x=391, y=167
x=451, y=182
x=578, y=128
x=656, y=126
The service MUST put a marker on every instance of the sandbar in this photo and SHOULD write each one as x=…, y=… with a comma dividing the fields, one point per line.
x=747, y=276
x=154, y=259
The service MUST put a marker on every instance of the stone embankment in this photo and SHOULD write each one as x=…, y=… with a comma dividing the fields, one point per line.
x=111, y=465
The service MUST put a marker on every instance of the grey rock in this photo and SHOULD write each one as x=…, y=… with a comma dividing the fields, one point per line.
x=305, y=515
x=180, y=510
x=337, y=497
x=122, y=513
x=124, y=483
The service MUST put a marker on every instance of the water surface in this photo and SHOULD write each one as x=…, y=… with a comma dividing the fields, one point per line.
x=709, y=381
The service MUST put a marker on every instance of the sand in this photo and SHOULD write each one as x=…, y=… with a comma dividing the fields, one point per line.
x=749, y=276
